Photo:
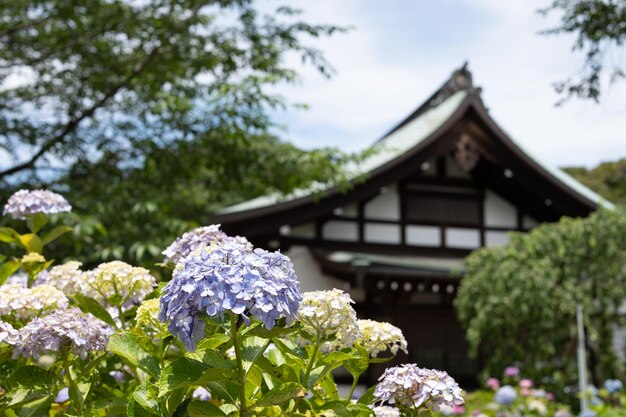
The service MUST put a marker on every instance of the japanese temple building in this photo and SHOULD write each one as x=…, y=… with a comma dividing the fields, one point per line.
x=444, y=181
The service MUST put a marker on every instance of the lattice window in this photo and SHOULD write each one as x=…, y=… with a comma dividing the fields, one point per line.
x=443, y=209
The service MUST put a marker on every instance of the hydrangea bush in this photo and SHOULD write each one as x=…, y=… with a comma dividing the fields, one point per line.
x=509, y=396
x=229, y=335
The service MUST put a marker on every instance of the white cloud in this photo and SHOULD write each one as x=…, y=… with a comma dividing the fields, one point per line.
x=397, y=56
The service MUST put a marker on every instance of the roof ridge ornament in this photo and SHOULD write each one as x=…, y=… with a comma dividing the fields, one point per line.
x=461, y=79
x=466, y=154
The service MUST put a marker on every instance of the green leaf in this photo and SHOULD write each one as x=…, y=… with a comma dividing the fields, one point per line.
x=215, y=341
x=31, y=242
x=144, y=397
x=36, y=222
x=126, y=345
x=204, y=409
x=110, y=406
x=281, y=393
x=37, y=408
x=338, y=407
x=20, y=396
x=212, y=358
x=253, y=348
x=31, y=376
x=136, y=410
x=226, y=390
x=89, y=305
x=8, y=235
x=368, y=397
x=336, y=357
x=184, y=372
x=360, y=363
x=55, y=233
x=7, y=269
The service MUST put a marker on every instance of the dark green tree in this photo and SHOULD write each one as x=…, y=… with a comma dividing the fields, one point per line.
x=518, y=302
x=607, y=179
x=85, y=78
x=599, y=27
x=150, y=115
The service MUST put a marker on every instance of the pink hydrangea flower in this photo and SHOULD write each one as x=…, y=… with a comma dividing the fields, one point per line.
x=526, y=383
x=511, y=371
x=493, y=383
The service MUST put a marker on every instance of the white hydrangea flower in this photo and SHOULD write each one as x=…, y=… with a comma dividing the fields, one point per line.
x=67, y=277
x=385, y=411
x=27, y=303
x=329, y=314
x=33, y=258
x=147, y=316
x=26, y=203
x=117, y=278
x=378, y=337
x=8, y=334
x=410, y=386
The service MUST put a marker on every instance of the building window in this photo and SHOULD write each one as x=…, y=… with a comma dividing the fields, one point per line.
x=443, y=209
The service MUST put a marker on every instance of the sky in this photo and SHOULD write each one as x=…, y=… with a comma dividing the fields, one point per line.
x=400, y=51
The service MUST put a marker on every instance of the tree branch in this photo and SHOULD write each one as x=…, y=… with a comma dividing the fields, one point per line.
x=75, y=121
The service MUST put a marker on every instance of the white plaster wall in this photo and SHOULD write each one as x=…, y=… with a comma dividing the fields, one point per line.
x=340, y=230
x=462, y=238
x=308, y=271
x=384, y=206
x=382, y=233
x=453, y=170
x=306, y=230
x=493, y=238
x=499, y=212
x=423, y=235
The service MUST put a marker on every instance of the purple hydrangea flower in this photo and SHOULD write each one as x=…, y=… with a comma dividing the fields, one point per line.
x=62, y=396
x=511, y=371
x=505, y=395
x=62, y=329
x=588, y=413
x=201, y=394
x=206, y=236
x=26, y=203
x=410, y=386
x=229, y=278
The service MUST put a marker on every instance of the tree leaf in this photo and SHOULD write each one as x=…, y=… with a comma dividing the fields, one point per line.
x=184, y=372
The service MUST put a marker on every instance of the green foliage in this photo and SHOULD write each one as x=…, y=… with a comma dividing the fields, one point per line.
x=103, y=76
x=177, y=188
x=518, y=302
x=607, y=179
x=157, y=112
x=598, y=26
